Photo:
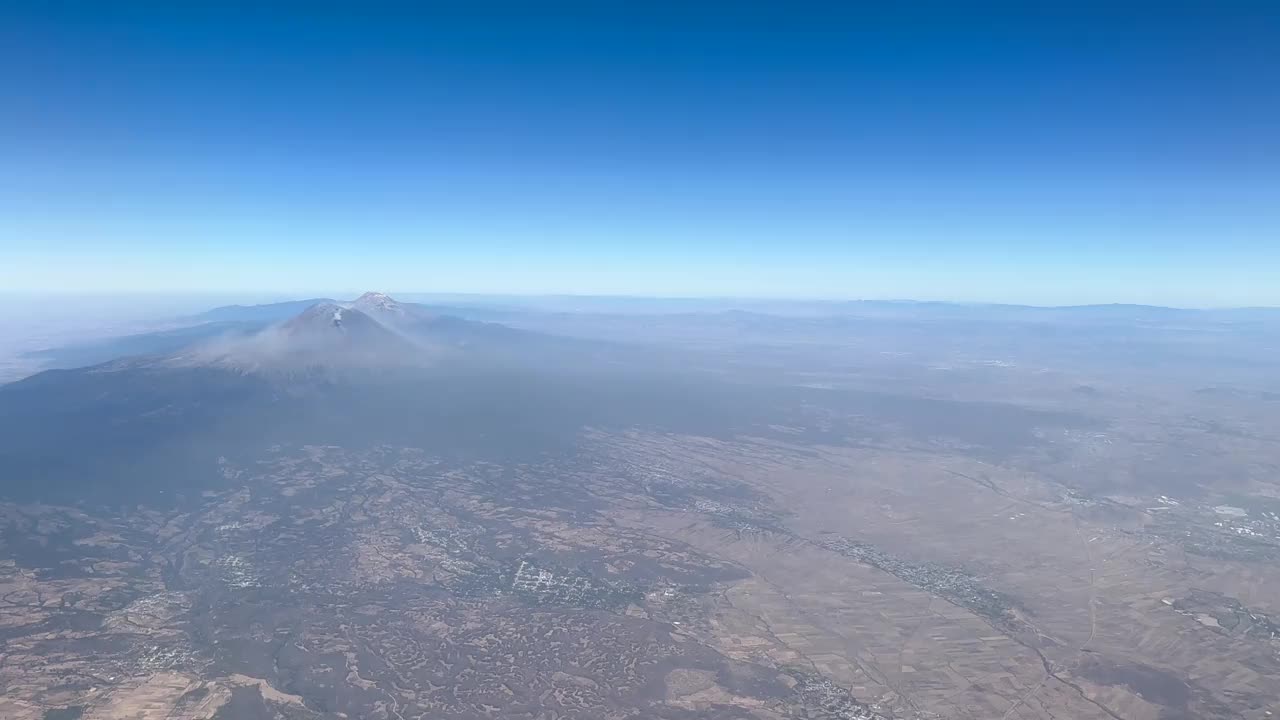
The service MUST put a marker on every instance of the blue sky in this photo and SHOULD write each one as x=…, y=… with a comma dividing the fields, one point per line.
x=994, y=152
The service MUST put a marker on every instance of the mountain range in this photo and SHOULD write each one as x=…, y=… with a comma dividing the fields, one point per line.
x=368, y=371
x=373, y=330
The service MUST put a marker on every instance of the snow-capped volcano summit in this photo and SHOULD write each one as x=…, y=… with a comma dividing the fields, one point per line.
x=373, y=330
x=325, y=334
x=376, y=302
x=405, y=318
x=328, y=318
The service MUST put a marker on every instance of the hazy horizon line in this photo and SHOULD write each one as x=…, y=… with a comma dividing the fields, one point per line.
x=265, y=297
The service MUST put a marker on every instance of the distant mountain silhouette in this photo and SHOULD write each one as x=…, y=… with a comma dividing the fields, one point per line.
x=373, y=331
x=384, y=307
x=264, y=313
x=324, y=335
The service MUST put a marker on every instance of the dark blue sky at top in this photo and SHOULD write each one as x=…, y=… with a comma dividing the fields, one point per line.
x=971, y=150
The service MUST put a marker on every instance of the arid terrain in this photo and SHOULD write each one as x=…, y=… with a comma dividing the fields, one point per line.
x=1001, y=541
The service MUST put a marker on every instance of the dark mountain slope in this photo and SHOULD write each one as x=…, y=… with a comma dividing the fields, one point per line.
x=161, y=342
x=129, y=433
